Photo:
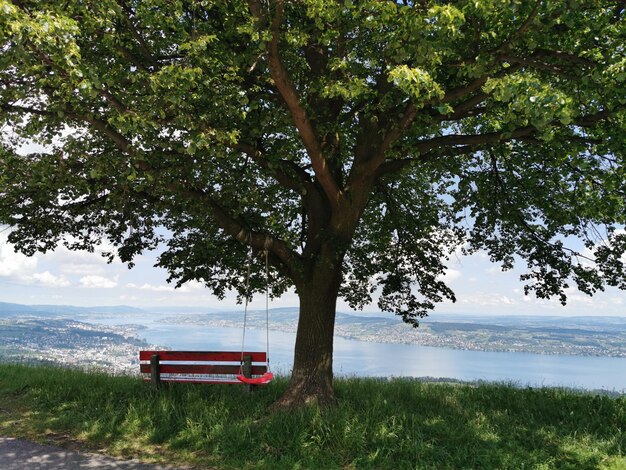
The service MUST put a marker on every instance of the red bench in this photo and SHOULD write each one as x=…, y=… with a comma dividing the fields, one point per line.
x=212, y=367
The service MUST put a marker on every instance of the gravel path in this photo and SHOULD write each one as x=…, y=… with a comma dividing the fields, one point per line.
x=17, y=454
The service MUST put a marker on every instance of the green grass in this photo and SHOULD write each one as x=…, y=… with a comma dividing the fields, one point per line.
x=377, y=424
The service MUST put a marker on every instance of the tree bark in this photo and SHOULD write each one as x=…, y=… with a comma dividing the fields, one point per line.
x=312, y=376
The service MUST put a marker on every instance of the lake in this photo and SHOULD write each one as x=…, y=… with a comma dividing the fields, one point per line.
x=358, y=358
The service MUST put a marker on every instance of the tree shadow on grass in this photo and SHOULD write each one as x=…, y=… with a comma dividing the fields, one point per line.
x=397, y=424
x=497, y=426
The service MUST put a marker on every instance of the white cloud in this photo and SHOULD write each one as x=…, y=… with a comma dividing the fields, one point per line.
x=451, y=275
x=152, y=288
x=485, y=298
x=14, y=264
x=23, y=269
x=82, y=269
x=494, y=270
x=191, y=286
x=47, y=279
x=65, y=256
x=580, y=299
x=98, y=282
x=129, y=298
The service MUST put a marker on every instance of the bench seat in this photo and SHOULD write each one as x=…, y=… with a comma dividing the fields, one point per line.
x=209, y=367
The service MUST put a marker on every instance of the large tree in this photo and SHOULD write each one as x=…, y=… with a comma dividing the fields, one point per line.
x=358, y=142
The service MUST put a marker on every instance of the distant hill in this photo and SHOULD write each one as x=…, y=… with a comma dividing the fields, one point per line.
x=115, y=309
x=11, y=310
x=582, y=335
x=187, y=310
x=563, y=322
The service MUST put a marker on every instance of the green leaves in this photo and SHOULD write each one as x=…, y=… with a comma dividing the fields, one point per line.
x=415, y=82
x=169, y=113
x=530, y=100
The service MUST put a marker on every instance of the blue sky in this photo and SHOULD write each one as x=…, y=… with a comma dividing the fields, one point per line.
x=78, y=278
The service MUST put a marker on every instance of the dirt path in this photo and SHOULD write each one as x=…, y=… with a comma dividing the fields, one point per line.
x=17, y=454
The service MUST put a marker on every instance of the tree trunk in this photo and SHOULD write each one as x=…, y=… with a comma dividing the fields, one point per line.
x=312, y=375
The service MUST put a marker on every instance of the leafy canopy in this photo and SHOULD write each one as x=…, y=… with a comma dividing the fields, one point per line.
x=395, y=132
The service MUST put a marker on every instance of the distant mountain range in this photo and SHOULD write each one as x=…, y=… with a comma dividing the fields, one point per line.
x=291, y=314
x=583, y=335
x=11, y=310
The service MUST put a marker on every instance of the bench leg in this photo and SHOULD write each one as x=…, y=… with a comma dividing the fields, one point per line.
x=155, y=373
x=247, y=372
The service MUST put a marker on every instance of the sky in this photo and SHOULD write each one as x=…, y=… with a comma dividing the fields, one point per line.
x=63, y=277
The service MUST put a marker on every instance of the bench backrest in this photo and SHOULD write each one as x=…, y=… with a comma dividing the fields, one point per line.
x=201, y=366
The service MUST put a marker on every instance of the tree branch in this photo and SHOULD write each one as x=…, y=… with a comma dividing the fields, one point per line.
x=565, y=57
x=106, y=94
x=467, y=144
x=466, y=108
x=400, y=164
x=290, y=95
x=474, y=139
x=524, y=27
x=405, y=121
x=464, y=90
x=591, y=119
x=12, y=108
x=460, y=111
x=118, y=139
x=243, y=234
x=314, y=215
x=495, y=137
x=232, y=226
x=283, y=171
x=143, y=47
x=536, y=64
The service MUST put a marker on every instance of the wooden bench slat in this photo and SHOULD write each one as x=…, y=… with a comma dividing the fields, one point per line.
x=212, y=356
x=196, y=380
x=165, y=368
x=202, y=367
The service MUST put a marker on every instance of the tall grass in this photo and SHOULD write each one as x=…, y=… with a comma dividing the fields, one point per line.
x=377, y=424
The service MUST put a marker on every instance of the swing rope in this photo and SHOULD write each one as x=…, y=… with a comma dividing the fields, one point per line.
x=268, y=376
x=267, y=308
x=245, y=309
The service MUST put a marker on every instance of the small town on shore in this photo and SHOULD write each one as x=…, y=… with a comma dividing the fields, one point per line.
x=114, y=348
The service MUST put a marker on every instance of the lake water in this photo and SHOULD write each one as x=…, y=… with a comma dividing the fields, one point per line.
x=403, y=360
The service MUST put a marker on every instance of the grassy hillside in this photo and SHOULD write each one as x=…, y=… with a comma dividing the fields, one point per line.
x=398, y=424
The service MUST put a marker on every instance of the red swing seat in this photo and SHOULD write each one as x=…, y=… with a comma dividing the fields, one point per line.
x=267, y=377
x=264, y=379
